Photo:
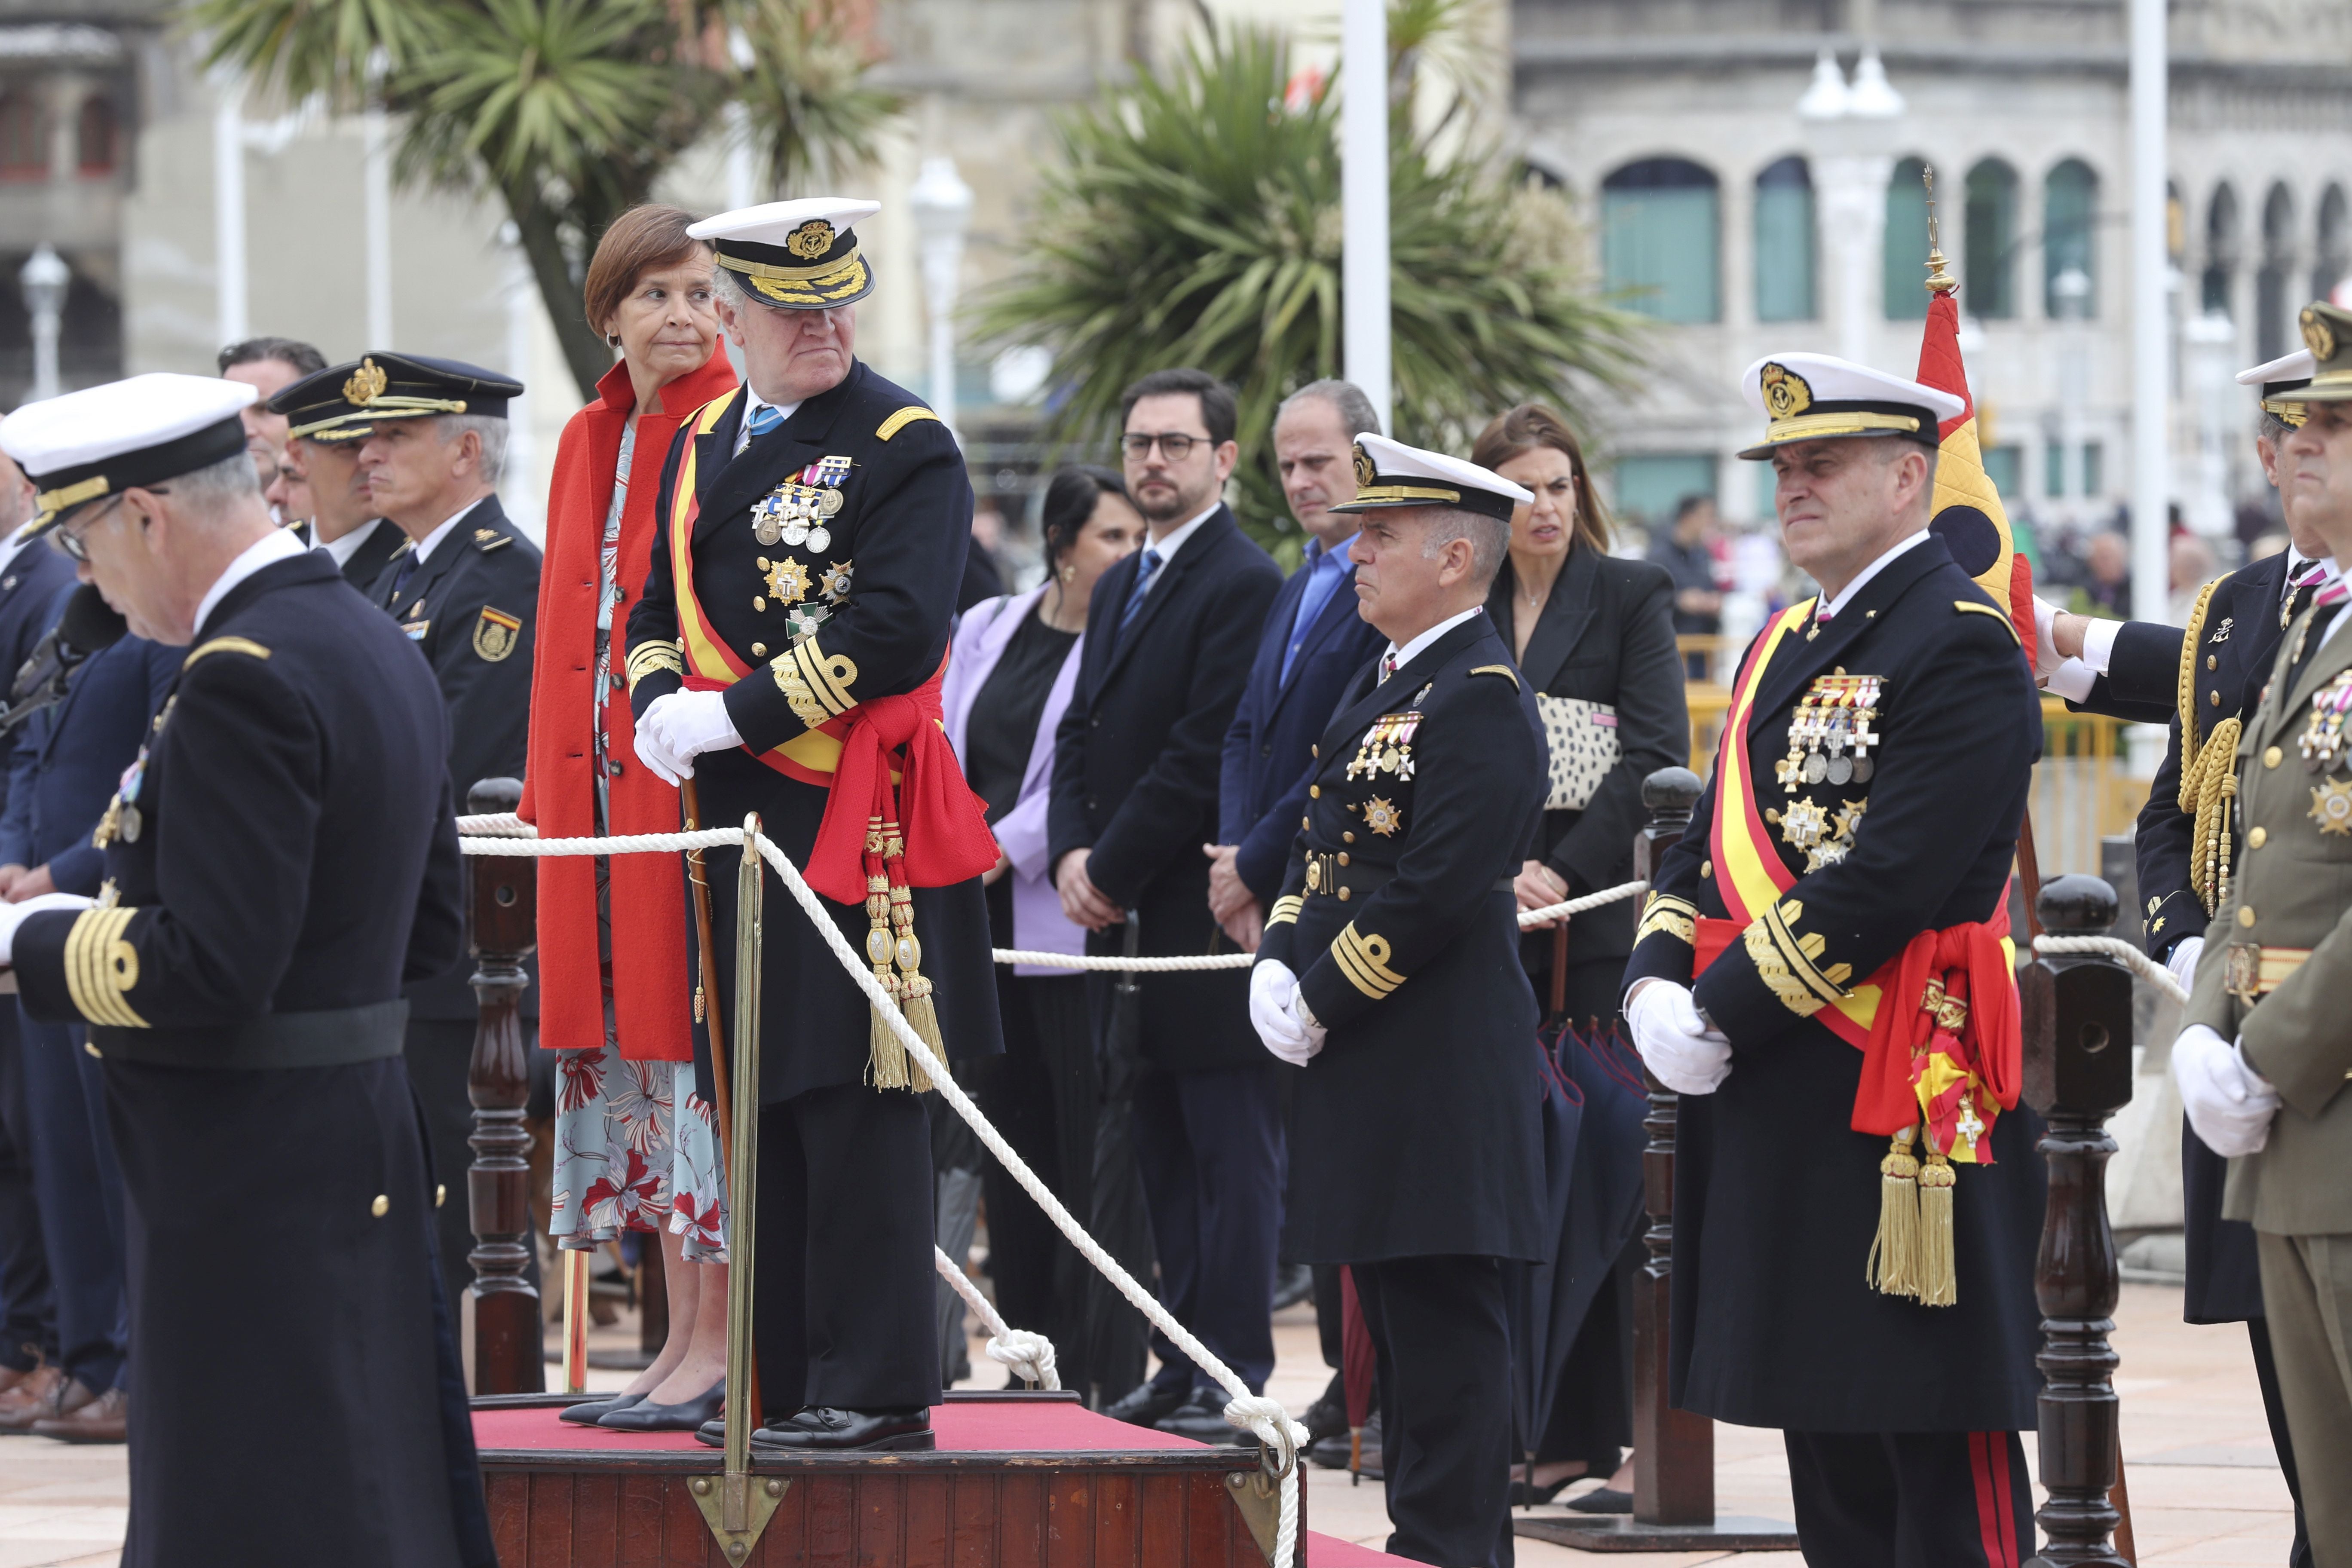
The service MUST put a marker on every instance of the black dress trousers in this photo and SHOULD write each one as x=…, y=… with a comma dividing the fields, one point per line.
x=1444, y=1355
x=1911, y=1500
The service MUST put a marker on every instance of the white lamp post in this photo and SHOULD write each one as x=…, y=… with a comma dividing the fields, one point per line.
x=1850, y=128
x=1364, y=325
x=942, y=205
x=44, y=278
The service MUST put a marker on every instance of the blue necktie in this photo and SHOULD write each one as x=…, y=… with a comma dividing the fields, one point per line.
x=1144, y=571
x=765, y=418
x=407, y=569
x=1323, y=577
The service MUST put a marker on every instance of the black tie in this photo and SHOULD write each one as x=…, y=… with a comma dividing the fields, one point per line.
x=400, y=579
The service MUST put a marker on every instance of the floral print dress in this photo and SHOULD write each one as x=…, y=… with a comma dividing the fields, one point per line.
x=625, y=1159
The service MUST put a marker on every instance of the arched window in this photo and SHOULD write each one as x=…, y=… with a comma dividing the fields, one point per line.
x=2070, y=209
x=2221, y=275
x=24, y=149
x=1991, y=241
x=1906, y=292
x=2272, y=306
x=94, y=150
x=1659, y=222
x=1784, y=243
x=2332, y=262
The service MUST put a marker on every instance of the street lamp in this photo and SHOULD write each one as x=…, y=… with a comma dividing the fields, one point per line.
x=942, y=205
x=1849, y=129
x=44, y=278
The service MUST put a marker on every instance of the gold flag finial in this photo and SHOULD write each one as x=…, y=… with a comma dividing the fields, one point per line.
x=1939, y=278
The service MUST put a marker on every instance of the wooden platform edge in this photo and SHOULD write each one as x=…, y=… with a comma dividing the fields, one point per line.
x=1603, y=1532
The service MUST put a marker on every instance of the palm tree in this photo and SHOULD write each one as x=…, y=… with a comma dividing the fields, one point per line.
x=569, y=110
x=1195, y=220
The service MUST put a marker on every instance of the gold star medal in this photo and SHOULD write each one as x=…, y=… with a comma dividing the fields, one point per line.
x=1382, y=818
x=2331, y=805
x=788, y=580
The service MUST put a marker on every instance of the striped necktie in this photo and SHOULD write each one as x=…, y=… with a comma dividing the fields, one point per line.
x=2301, y=588
x=765, y=418
x=1145, y=570
x=1388, y=665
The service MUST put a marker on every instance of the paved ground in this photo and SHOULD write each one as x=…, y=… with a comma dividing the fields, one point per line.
x=2205, y=1483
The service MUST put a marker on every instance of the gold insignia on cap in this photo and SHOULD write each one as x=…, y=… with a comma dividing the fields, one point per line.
x=1786, y=393
x=1365, y=472
x=2317, y=335
x=365, y=384
x=811, y=240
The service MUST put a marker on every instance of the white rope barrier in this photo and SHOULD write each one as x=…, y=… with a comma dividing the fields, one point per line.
x=1029, y=1354
x=2123, y=952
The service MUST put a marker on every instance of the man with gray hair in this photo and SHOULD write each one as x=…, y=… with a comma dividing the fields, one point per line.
x=464, y=588
x=1416, y=1157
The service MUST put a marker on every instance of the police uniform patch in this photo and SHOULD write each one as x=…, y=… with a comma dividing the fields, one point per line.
x=495, y=635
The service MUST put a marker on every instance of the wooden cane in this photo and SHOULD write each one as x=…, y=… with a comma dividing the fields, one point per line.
x=706, y=1007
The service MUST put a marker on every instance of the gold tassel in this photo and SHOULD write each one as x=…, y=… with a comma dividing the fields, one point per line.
x=1893, y=1267
x=914, y=991
x=1939, y=1271
x=886, y=1058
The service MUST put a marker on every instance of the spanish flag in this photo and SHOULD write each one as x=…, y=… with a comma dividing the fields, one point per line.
x=1969, y=517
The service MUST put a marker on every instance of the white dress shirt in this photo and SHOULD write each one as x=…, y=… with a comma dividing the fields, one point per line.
x=752, y=404
x=1166, y=549
x=1828, y=608
x=1397, y=657
x=424, y=546
x=344, y=548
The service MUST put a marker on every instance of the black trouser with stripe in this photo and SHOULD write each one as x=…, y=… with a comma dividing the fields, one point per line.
x=1911, y=1500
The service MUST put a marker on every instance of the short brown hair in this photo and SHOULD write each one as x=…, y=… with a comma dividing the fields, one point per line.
x=1530, y=425
x=639, y=241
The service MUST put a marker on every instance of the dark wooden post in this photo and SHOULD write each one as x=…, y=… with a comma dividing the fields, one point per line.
x=501, y=927
x=2077, y=1019
x=1673, y=1450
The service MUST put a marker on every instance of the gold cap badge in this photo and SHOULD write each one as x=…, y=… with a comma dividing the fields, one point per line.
x=1365, y=472
x=365, y=384
x=2317, y=335
x=1786, y=394
x=811, y=240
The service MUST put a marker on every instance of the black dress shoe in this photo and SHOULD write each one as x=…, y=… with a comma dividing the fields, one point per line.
x=1203, y=1419
x=1328, y=1414
x=1603, y=1499
x=1292, y=1285
x=823, y=1428
x=712, y=1434
x=1145, y=1403
x=588, y=1414
x=684, y=1416
x=1543, y=1493
x=1335, y=1453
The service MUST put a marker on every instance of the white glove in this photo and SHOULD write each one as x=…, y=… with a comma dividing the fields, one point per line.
x=2046, y=658
x=2183, y=962
x=1303, y=1017
x=12, y=916
x=1678, y=1045
x=680, y=726
x=1272, y=987
x=2228, y=1102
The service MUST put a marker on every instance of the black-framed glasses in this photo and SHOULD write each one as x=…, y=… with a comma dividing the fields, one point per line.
x=70, y=536
x=1174, y=444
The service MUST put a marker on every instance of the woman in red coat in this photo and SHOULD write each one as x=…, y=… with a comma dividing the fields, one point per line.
x=635, y=1143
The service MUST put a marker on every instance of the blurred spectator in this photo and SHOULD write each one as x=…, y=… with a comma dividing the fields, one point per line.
x=2194, y=564
x=1009, y=679
x=2107, y=591
x=1687, y=550
x=268, y=365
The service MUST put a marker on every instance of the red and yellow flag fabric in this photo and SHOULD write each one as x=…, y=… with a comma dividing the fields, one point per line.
x=1969, y=517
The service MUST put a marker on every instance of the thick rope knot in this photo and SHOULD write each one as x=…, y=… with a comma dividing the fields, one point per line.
x=1029, y=1355
x=1272, y=1426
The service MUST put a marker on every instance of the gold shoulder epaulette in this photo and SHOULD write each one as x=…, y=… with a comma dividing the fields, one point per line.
x=1505, y=670
x=915, y=414
x=245, y=646
x=1972, y=607
x=489, y=539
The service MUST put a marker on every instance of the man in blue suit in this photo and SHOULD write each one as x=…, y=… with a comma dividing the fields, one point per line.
x=30, y=581
x=67, y=761
x=1314, y=641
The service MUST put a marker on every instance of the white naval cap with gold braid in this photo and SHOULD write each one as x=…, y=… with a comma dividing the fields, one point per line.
x=1818, y=397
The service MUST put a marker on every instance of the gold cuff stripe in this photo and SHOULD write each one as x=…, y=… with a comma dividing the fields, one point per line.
x=100, y=966
x=1814, y=426
x=829, y=676
x=903, y=417
x=649, y=656
x=1678, y=918
x=795, y=687
x=245, y=646
x=1774, y=972
x=1285, y=909
x=1800, y=951
x=1364, y=961
x=819, y=273
x=1972, y=607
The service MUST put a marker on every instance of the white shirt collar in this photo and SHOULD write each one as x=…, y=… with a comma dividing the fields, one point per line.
x=343, y=549
x=9, y=545
x=425, y=545
x=752, y=404
x=278, y=544
x=1845, y=597
x=1412, y=650
x=2295, y=562
x=1166, y=549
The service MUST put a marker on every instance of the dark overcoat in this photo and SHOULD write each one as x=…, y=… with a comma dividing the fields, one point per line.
x=291, y=860
x=1415, y=1131
x=873, y=602
x=1776, y=1196
x=1137, y=764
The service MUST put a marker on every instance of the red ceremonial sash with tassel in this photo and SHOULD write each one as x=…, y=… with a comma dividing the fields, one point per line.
x=897, y=813
x=1946, y=1054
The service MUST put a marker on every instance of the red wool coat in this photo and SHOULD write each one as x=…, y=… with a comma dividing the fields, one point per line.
x=652, y=997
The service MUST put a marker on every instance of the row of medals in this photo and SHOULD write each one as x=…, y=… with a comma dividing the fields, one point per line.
x=794, y=515
x=2322, y=744
x=1832, y=721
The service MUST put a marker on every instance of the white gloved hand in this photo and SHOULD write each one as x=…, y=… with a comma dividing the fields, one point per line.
x=2183, y=962
x=1272, y=985
x=1675, y=1043
x=13, y=916
x=1304, y=1018
x=2228, y=1104
x=680, y=726
x=2046, y=658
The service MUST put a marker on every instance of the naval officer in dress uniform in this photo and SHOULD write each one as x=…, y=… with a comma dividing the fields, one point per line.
x=279, y=859
x=1389, y=970
x=2263, y=1057
x=324, y=430
x=1822, y=966
x=810, y=533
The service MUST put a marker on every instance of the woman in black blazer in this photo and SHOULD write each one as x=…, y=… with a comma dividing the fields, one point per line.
x=1595, y=638
x=1594, y=635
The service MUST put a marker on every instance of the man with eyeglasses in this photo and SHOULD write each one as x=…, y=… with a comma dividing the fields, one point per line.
x=1169, y=639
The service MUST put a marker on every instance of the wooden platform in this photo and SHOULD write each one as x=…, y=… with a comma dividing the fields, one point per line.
x=1019, y=1481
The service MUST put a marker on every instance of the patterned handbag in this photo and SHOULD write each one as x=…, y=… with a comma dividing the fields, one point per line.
x=1580, y=738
